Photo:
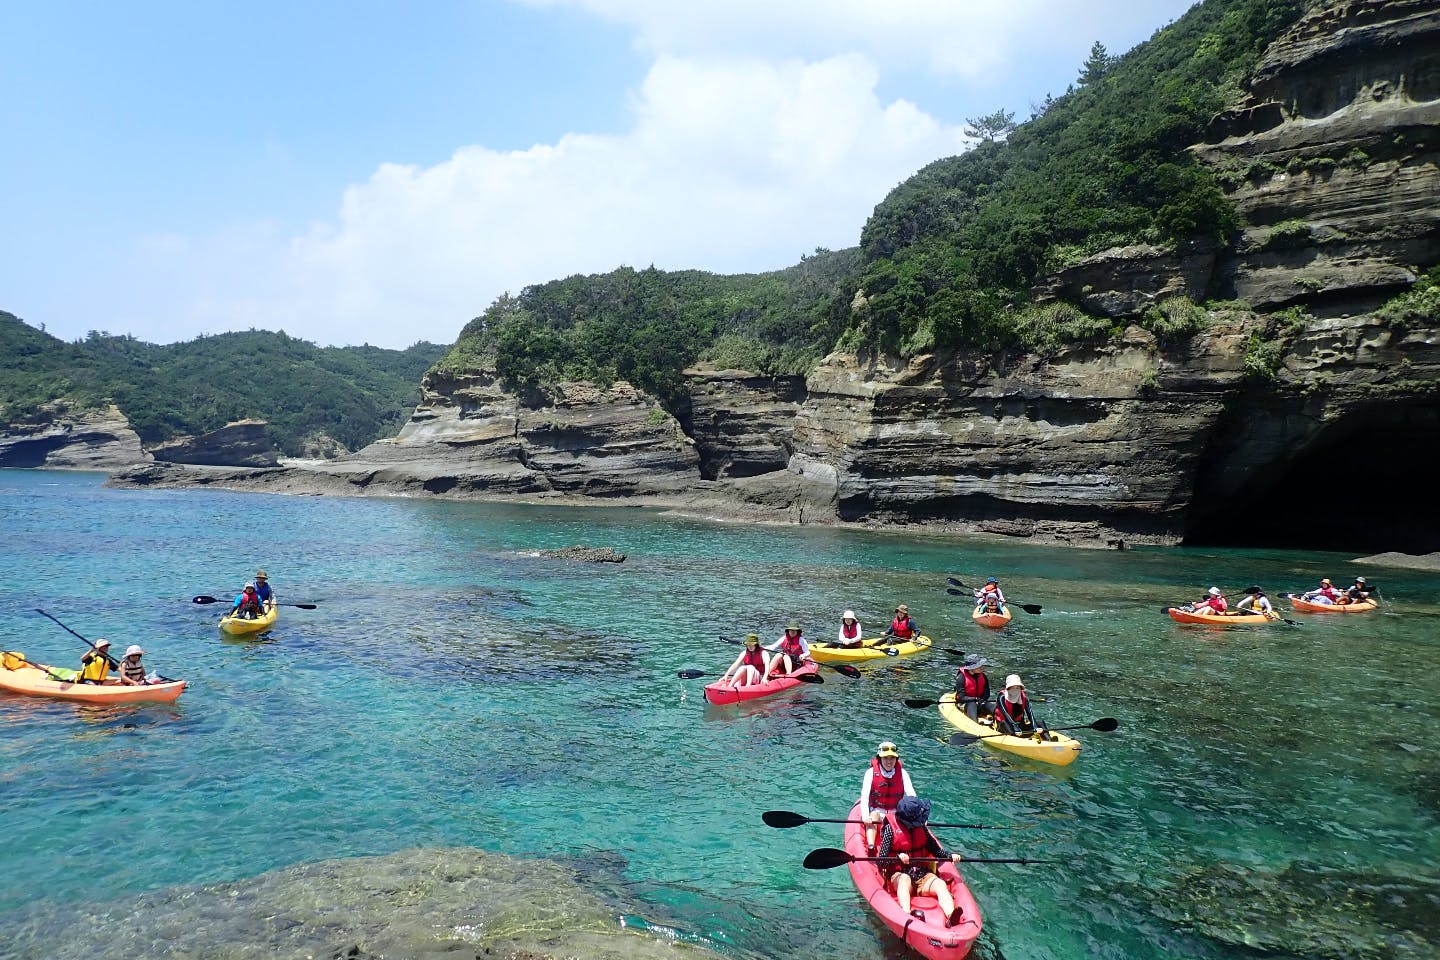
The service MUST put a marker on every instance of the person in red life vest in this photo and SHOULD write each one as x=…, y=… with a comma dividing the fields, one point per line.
x=850, y=633
x=903, y=627
x=248, y=605
x=911, y=854
x=991, y=597
x=790, y=651
x=972, y=687
x=1325, y=593
x=1213, y=602
x=885, y=783
x=750, y=666
x=1012, y=710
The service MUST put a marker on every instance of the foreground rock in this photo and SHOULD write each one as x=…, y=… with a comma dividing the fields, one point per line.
x=242, y=443
x=585, y=554
x=416, y=904
x=58, y=436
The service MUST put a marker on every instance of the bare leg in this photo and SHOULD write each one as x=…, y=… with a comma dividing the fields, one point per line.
x=902, y=891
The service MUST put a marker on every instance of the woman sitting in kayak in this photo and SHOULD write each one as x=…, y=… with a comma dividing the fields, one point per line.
x=1213, y=602
x=886, y=783
x=905, y=845
x=1012, y=709
x=750, y=666
x=132, y=671
x=972, y=687
x=790, y=651
x=95, y=665
x=1325, y=593
x=903, y=627
x=850, y=633
x=1255, y=601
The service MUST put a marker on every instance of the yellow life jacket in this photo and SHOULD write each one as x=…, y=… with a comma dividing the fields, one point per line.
x=94, y=669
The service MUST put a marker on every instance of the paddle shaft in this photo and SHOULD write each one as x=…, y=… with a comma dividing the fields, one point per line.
x=1030, y=608
x=987, y=736
x=114, y=664
x=956, y=826
x=204, y=599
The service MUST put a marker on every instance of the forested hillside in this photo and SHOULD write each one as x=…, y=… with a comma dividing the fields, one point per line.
x=351, y=394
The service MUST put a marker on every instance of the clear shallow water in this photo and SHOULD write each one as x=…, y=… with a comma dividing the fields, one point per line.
x=1273, y=787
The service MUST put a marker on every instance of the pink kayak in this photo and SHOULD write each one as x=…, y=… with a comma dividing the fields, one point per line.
x=722, y=693
x=929, y=937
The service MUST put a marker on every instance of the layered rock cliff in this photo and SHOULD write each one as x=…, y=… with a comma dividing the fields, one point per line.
x=242, y=443
x=59, y=437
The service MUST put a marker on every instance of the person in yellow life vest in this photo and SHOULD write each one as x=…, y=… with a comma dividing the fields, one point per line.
x=94, y=666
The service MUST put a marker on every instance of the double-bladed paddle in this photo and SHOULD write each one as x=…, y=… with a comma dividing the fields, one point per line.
x=114, y=664
x=203, y=599
x=691, y=674
x=1031, y=608
x=843, y=669
x=1104, y=725
x=827, y=857
x=784, y=819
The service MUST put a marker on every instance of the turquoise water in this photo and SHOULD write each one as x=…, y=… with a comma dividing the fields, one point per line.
x=1272, y=790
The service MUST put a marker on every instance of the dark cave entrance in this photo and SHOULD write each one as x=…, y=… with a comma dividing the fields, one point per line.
x=1368, y=483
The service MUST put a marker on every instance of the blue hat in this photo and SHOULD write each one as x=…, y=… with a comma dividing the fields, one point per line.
x=912, y=811
x=992, y=580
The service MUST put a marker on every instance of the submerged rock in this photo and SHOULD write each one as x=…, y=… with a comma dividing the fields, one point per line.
x=587, y=554
x=452, y=903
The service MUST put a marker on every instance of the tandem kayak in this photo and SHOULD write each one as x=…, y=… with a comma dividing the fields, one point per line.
x=875, y=649
x=1305, y=606
x=992, y=620
x=1222, y=619
x=928, y=937
x=718, y=693
x=239, y=626
x=1060, y=751
x=33, y=680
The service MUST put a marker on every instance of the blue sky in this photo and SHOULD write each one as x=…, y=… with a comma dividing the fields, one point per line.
x=366, y=172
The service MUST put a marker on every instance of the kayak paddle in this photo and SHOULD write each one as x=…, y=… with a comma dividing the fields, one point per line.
x=841, y=668
x=39, y=666
x=1104, y=725
x=784, y=819
x=827, y=857
x=802, y=677
x=114, y=664
x=203, y=599
x=1031, y=608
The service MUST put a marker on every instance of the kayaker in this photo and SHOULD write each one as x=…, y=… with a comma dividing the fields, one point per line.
x=750, y=666
x=247, y=604
x=1213, y=602
x=1324, y=594
x=972, y=687
x=95, y=665
x=1359, y=592
x=885, y=783
x=991, y=591
x=904, y=841
x=903, y=627
x=1255, y=601
x=132, y=671
x=850, y=633
x=1012, y=709
x=791, y=650
x=263, y=591
x=991, y=605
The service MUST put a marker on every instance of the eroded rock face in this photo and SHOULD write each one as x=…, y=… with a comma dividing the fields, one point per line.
x=243, y=443
x=743, y=424
x=60, y=437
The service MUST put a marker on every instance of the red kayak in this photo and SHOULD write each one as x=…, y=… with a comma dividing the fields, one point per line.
x=929, y=937
x=722, y=693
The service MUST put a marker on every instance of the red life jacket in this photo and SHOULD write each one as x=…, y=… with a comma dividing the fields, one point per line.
x=1016, y=713
x=976, y=684
x=904, y=629
x=850, y=630
x=990, y=588
x=885, y=792
x=755, y=658
x=912, y=840
x=790, y=646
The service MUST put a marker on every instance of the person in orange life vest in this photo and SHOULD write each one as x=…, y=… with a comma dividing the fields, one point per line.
x=902, y=627
x=1325, y=593
x=988, y=593
x=850, y=633
x=1213, y=602
x=972, y=687
x=790, y=651
x=885, y=783
x=904, y=842
x=750, y=666
x=1012, y=709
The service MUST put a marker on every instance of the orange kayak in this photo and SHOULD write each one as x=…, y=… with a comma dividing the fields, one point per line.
x=1305, y=606
x=1221, y=619
x=993, y=620
x=33, y=680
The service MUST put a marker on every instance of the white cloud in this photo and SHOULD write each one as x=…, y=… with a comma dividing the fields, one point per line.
x=730, y=166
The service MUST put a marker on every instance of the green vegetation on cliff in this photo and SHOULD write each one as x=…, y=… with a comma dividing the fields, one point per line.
x=350, y=394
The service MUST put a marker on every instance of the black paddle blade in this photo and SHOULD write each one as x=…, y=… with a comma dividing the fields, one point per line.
x=953, y=652
x=961, y=739
x=783, y=819
x=844, y=669
x=955, y=583
x=959, y=593
x=738, y=643
x=920, y=704
x=825, y=858
x=1105, y=724
x=891, y=652
x=1031, y=608
x=690, y=674
x=809, y=678
x=204, y=599
x=302, y=606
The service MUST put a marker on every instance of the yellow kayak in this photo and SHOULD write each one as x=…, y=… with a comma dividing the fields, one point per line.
x=238, y=626
x=874, y=649
x=1061, y=751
